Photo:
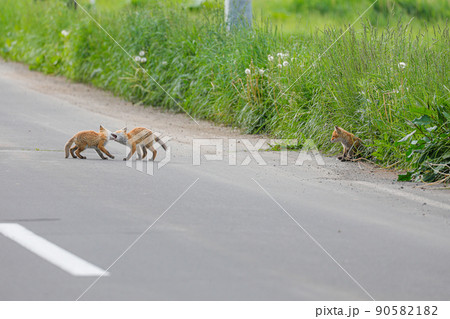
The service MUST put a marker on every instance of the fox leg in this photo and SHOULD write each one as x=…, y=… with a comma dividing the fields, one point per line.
x=72, y=150
x=151, y=148
x=145, y=144
x=104, y=150
x=344, y=155
x=349, y=155
x=354, y=152
x=139, y=150
x=79, y=150
x=144, y=151
x=100, y=153
x=133, y=150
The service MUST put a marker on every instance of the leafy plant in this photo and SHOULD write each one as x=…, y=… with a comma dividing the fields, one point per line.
x=429, y=148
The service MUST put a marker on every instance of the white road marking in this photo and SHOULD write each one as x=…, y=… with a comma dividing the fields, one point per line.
x=61, y=258
x=17, y=151
x=29, y=151
x=406, y=195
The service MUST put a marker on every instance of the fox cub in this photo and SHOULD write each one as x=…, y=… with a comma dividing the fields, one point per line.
x=90, y=139
x=139, y=138
x=350, y=142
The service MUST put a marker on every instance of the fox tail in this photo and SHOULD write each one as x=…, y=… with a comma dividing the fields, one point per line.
x=68, y=145
x=157, y=139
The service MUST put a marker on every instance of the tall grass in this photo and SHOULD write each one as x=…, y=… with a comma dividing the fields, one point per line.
x=359, y=83
x=304, y=15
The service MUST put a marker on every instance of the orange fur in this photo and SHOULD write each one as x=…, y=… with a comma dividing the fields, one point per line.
x=349, y=142
x=139, y=139
x=89, y=139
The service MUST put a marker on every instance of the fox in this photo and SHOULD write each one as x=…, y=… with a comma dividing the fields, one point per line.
x=350, y=142
x=90, y=139
x=139, y=138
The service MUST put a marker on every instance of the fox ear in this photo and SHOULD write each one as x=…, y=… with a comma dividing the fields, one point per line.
x=101, y=128
x=124, y=129
x=337, y=128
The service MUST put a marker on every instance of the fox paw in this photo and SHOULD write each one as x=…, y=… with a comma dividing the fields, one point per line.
x=124, y=158
x=112, y=156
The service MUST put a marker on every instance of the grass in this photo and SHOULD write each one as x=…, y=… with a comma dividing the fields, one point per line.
x=293, y=16
x=359, y=84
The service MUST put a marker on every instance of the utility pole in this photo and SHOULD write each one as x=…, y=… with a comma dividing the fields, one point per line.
x=72, y=4
x=238, y=13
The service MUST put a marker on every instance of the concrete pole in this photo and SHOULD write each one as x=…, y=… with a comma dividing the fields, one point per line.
x=238, y=13
x=72, y=4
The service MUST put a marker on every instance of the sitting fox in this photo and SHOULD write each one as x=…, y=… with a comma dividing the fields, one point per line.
x=350, y=142
x=90, y=139
x=139, y=138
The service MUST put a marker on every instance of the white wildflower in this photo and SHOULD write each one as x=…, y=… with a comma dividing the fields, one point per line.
x=65, y=33
x=280, y=55
x=142, y=53
x=362, y=93
x=270, y=58
x=261, y=71
x=395, y=91
x=247, y=71
x=164, y=63
x=285, y=63
x=279, y=65
x=402, y=65
x=137, y=58
x=143, y=60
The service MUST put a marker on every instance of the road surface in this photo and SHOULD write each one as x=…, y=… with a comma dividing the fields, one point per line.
x=100, y=230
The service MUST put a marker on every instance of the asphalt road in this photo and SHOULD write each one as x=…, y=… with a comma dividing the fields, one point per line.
x=208, y=232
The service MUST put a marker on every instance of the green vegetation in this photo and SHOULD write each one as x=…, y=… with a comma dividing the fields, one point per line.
x=429, y=146
x=376, y=83
x=308, y=15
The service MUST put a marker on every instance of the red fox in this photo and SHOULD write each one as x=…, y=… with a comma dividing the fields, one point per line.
x=140, y=138
x=350, y=142
x=90, y=139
